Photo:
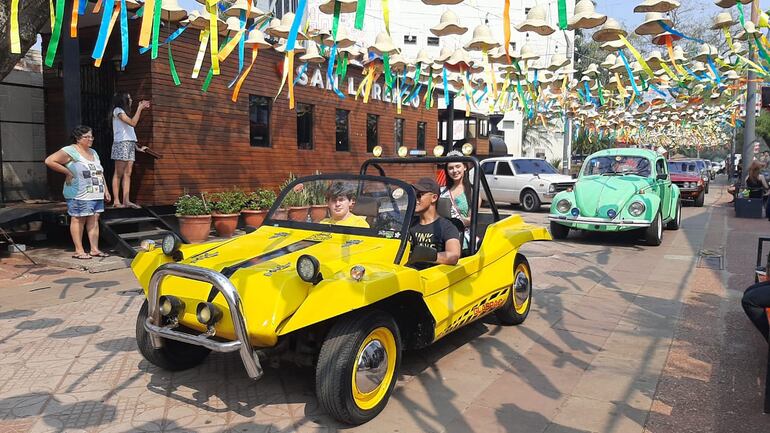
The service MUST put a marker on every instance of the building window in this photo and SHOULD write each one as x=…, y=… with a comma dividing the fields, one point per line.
x=513, y=46
x=421, y=135
x=342, y=143
x=372, y=136
x=483, y=128
x=283, y=7
x=526, y=11
x=470, y=128
x=432, y=41
x=398, y=133
x=259, y=121
x=410, y=39
x=304, y=126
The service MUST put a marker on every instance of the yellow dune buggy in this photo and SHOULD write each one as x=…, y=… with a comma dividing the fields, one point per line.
x=343, y=299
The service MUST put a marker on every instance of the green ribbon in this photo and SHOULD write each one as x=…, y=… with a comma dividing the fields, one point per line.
x=171, y=66
x=601, y=91
x=429, y=92
x=741, y=17
x=53, y=43
x=360, y=13
x=388, y=75
x=562, y=14
x=342, y=66
x=156, y=29
x=336, y=21
x=210, y=74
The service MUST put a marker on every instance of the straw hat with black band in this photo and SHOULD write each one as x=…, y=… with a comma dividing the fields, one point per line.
x=652, y=24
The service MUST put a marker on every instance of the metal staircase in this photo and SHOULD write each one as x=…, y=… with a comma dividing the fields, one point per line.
x=124, y=229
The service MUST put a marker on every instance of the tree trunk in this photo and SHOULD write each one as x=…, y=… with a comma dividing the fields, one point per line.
x=33, y=15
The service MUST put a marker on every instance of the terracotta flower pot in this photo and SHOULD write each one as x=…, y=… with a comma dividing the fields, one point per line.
x=253, y=218
x=298, y=213
x=225, y=224
x=318, y=212
x=195, y=228
x=281, y=214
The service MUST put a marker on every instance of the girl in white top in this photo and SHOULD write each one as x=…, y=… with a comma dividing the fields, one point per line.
x=124, y=145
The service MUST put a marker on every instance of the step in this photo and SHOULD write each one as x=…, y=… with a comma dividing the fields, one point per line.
x=148, y=234
x=129, y=220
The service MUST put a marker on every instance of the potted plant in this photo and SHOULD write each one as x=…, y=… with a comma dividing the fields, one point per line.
x=316, y=192
x=296, y=200
x=194, y=218
x=226, y=208
x=256, y=207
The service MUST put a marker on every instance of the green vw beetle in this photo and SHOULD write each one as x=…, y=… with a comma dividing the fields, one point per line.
x=619, y=190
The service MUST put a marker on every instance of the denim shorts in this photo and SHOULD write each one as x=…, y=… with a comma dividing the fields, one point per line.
x=84, y=208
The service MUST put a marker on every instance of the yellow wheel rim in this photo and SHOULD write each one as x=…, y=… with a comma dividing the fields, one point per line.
x=522, y=288
x=373, y=373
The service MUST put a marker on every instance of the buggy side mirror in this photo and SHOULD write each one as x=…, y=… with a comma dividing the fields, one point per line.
x=662, y=176
x=421, y=254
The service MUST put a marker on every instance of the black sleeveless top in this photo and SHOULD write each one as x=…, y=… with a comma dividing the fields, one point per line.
x=755, y=187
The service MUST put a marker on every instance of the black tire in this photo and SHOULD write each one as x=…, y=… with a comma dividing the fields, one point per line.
x=529, y=201
x=700, y=199
x=707, y=188
x=653, y=234
x=677, y=221
x=559, y=231
x=174, y=355
x=338, y=358
x=510, y=314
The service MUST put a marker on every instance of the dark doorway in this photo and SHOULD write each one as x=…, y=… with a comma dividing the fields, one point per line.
x=97, y=85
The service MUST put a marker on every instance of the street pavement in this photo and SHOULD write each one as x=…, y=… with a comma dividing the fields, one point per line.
x=621, y=337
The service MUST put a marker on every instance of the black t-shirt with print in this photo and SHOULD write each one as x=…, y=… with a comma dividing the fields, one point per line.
x=433, y=235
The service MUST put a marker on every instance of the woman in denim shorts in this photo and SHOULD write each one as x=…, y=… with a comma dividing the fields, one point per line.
x=84, y=189
x=124, y=145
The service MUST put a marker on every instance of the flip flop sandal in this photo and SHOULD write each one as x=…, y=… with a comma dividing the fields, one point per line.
x=81, y=256
x=100, y=254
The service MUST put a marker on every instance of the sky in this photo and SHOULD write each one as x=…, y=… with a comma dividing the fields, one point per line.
x=623, y=10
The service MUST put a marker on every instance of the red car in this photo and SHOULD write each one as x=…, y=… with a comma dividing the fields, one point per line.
x=685, y=175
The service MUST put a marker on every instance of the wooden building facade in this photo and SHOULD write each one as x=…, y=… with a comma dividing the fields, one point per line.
x=209, y=143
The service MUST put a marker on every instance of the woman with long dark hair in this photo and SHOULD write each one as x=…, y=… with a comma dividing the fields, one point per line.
x=124, y=145
x=460, y=192
x=84, y=188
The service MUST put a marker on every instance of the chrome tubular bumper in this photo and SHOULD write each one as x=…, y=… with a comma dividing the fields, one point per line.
x=226, y=288
x=599, y=221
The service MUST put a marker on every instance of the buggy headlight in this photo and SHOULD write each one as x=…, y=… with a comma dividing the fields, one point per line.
x=170, y=306
x=208, y=313
x=563, y=205
x=357, y=272
x=636, y=208
x=308, y=268
x=147, y=245
x=171, y=244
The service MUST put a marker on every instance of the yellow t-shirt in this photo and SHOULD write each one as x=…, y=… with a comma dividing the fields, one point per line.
x=350, y=221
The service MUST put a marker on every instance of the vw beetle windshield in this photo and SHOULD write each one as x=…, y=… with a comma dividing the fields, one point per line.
x=533, y=166
x=347, y=204
x=617, y=165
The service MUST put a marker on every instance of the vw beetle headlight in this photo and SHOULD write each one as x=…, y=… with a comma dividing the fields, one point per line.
x=636, y=209
x=170, y=244
x=309, y=269
x=563, y=205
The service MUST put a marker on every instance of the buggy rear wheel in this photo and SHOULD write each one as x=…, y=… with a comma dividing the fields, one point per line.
x=516, y=308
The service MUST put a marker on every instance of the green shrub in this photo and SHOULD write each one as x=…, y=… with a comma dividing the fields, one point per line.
x=316, y=191
x=228, y=202
x=191, y=205
x=297, y=197
x=260, y=199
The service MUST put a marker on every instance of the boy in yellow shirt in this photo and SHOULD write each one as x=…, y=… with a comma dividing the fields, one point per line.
x=340, y=199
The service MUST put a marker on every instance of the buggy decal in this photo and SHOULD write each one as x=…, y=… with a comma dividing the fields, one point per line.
x=488, y=304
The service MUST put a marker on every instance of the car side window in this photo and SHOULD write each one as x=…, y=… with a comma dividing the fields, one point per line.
x=660, y=167
x=504, y=169
x=488, y=167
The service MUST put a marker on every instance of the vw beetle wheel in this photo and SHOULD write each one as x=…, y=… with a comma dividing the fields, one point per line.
x=677, y=221
x=530, y=202
x=516, y=307
x=174, y=355
x=559, y=231
x=653, y=234
x=357, y=366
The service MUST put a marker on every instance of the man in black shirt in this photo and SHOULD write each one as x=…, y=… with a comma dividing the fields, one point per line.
x=432, y=230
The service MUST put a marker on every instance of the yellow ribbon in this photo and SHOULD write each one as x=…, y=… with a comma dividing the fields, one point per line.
x=369, y=82
x=284, y=76
x=146, y=30
x=386, y=15
x=398, y=95
x=15, y=39
x=237, y=90
x=728, y=38
x=621, y=89
x=213, y=35
x=291, y=79
x=204, y=38
x=52, y=13
x=669, y=72
x=637, y=56
x=228, y=48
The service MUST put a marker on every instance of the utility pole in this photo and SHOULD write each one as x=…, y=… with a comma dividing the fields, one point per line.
x=730, y=168
x=751, y=103
x=565, y=158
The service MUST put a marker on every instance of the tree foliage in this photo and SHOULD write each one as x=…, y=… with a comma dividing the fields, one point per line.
x=33, y=15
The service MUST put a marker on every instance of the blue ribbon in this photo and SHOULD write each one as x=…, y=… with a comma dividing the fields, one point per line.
x=630, y=73
x=486, y=90
x=101, y=40
x=695, y=74
x=446, y=86
x=657, y=90
x=241, y=43
x=415, y=94
x=82, y=7
x=292, y=40
x=330, y=71
x=168, y=40
x=668, y=28
x=714, y=70
x=301, y=71
x=123, y=34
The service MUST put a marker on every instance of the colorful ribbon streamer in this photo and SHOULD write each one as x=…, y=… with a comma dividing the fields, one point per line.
x=386, y=15
x=292, y=39
x=668, y=28
x=104, y=30
x=123, y=34
x=156, y=29
x=237, y=90
x=73, y=17
x=637, y=56
x=53, y=43
x=172, y=67
x=507, y=28
x=15, y=39
x=360, y=14
x=562, y=14
x=214, y=35
x=333, y=53
x=113, y=20
x=204, y=38
x=148, y=18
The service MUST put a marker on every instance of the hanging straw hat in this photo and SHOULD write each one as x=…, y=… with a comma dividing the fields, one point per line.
x=654, y=59
x=592, y=70
x=497, y=57
x=171, y=12
x=257, y=38
x=346, y=6
x=482, y=39
x=705, y=51
x=243, y=6
x=318, y=35
x=661, y=6
x=618, y=66
x=536, y=22
x=383, y=44
x=698, y=67
x=609, y=31
x=722, y=20
x=527, y=53
x=312, y=55
x=749, y=30
x=567, y=70
x=441, y=2
x=558, y=61
x=661, y=38
x=652, y=24
x=423, y=57
x=232, y=24
x=612, y=46
x=397, y=63
x=200, y=20
x=459, y=59
x=726, y=4
x=585, y=16
x=448, y=25
x=608, y=61
x=446, y=53
x=731, y=75
x=281, y=47
x=283, y=29
x=343, y=40
x=352, y=51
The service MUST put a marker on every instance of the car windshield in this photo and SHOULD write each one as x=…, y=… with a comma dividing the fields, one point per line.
x=617, y=165
x=684, y=167
x=362, y=205
x=533, y=166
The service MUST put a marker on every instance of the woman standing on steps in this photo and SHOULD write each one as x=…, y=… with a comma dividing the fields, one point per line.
x=124, y=145
x=84, y=189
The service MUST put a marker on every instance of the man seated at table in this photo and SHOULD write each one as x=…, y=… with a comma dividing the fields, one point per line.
x=340, y=198
x=433, y=230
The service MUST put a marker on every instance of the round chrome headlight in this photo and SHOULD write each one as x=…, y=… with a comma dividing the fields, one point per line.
x=208, y=313
x=357, y=272
x=308, y=268
x=637, y=208
x=687, y=185
x=563, y=205
x=171, y=244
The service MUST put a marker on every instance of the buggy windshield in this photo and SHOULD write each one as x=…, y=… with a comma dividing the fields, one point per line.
x=533, y=166
x=362, y=205
x=617, y=165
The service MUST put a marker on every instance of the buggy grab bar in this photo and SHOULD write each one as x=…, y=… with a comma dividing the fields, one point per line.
x=226, y=288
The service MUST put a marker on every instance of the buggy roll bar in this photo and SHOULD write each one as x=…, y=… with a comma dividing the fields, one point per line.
x=478, y=179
